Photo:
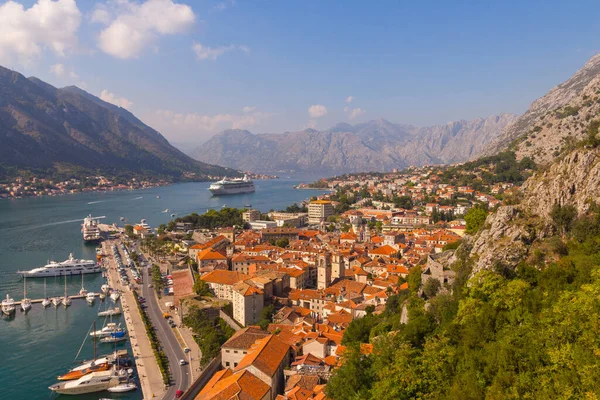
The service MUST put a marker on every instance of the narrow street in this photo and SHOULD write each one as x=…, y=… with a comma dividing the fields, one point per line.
x=180, y=375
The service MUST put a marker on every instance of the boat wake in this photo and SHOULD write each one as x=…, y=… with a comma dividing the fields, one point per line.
x=96, y=202
x=138, y=198
x=17, y=228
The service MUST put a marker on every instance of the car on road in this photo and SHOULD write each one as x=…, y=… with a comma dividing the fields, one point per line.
x=150, y=286
x=186, y=350
x=178, y=394
x=182, y=362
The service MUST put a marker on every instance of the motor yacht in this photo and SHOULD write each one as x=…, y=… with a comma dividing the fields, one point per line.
x=8, y=306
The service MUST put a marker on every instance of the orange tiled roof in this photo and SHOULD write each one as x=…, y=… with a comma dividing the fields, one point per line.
x=265, y=355
x=227, y=385
x=210, y=254
x=224, y=277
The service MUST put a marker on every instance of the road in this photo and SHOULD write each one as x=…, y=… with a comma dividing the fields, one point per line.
x=180, y=378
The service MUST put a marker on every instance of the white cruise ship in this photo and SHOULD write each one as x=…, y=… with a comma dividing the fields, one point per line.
x=90, y=230
x=71, y=266
x=232, y=186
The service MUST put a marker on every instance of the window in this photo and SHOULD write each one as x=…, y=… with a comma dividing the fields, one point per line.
x=235, y=351
x=226, y=351
x=227, y=364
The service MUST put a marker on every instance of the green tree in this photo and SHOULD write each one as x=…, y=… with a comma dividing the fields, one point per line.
x=475, y=219
x=201, y=288
x=563, y=217
x=266, y=316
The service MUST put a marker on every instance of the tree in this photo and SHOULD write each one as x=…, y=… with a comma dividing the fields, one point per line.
x=283, y=242
x=414, y=279
x=431, y=287
x=129, y=230
x=353, y=379
x=201, y=288
x=475, y=219
x=266, y=316
x=563, y=217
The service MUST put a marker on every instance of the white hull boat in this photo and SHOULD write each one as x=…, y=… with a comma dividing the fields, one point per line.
x=115, y=296
x=90, y=298
x=125, y=387
x=56, y=301
x=46, y=302
x=71, y=266
x=8, y=306
x=109, y=312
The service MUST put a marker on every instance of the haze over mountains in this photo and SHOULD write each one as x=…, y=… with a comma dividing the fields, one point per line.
x=377, y=145
x=50, y=129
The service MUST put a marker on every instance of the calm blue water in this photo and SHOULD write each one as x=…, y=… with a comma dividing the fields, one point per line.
x=37, y=347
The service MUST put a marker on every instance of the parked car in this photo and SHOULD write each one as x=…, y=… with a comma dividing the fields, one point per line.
x=182, y=362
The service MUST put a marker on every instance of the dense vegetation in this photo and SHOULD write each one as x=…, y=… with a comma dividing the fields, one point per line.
x=212, y=219
x=499, y=168
x=159, y=353
x=209, y=335
x=528, y=333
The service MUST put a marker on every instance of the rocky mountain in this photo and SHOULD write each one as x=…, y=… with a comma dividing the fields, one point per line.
x=556, y=119
x=50, y=129
x=377, y=145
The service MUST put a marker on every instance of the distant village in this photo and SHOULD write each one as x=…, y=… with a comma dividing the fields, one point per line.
x=311, y=272
x=37, y=187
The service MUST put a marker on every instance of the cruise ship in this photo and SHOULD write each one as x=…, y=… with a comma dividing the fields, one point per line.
x=90, y=230
x=232, y=186
x=71, y=266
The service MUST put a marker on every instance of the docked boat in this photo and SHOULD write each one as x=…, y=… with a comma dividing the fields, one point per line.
x=110, y=328
x=90, y=297
x=26, y=302
x=232, y=186
x=82, y=291
x=122, y=388
x=77, y=373
x=46, y=302
x=110, y=312
x=92, y=382
x=114, y=296
x=102, y=296
x=105, y=288
x=71, y=266
x=114, y=337
x=90, y=230
x=8, y=306
x=56, y=301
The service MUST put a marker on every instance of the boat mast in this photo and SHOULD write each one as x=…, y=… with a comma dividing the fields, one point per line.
x=24, y=287
x=94, y=339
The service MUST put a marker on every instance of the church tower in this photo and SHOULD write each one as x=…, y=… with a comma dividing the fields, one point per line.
x=338, y=267
x=324, y=271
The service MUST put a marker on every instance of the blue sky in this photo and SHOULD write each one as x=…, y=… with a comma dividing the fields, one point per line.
x=191, y=69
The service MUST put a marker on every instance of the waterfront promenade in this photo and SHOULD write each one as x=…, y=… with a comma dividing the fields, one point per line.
x=151, y=380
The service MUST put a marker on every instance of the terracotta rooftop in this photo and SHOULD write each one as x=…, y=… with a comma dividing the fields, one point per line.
x=244, y=338
x=224, y=277
x=266, y=355
x=225, y=385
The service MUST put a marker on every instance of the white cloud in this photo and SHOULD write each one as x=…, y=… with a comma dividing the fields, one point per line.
x=134, y=26
x=113, y=99
x=58, y=69
x=248, y=109
x=212, y=53
x=355, y=113
x=25, y=33
x=193, y=126
x=317, y=111
x=349, y=99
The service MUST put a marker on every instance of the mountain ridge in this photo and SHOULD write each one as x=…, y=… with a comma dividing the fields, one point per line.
x=45, y=128
x=376, y=145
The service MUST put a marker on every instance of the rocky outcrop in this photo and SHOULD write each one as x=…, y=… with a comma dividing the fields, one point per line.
x=503, y=242
x=574, y=180
x=377, y=145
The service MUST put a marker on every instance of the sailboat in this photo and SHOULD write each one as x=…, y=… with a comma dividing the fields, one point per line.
x=56, y=301
x=66, y=301
x=25, y=303
x=82, y=292
x=97, y=364
x=46, y=302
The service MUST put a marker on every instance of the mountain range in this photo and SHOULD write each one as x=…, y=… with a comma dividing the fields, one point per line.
x=47, y=129
x=377, y=145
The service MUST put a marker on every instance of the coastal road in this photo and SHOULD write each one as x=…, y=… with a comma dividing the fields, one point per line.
x=180, y=374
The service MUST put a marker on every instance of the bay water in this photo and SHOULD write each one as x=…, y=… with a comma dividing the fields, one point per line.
x=38, y=346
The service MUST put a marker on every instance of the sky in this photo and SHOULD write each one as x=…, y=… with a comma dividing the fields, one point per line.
x=191, y=69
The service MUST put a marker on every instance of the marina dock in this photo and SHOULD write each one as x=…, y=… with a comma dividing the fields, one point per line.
x=74, y=297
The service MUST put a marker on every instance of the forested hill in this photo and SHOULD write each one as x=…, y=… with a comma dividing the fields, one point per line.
x=50, y=130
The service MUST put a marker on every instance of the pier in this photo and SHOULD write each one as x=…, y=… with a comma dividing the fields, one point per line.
x=74, y=297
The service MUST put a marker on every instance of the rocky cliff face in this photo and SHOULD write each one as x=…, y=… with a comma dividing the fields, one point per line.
x=377, y=145
x=554, y=120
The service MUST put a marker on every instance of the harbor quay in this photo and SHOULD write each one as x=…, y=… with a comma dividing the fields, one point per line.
x=151, y=380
